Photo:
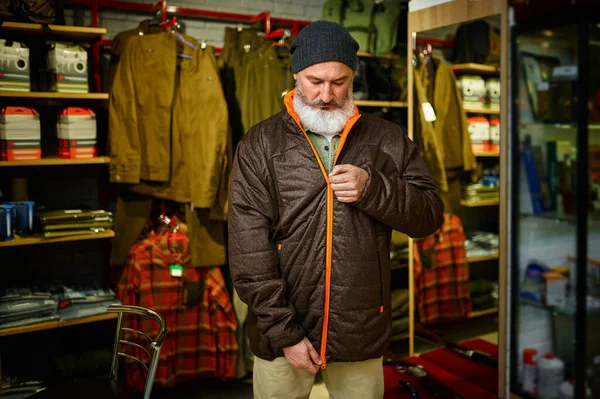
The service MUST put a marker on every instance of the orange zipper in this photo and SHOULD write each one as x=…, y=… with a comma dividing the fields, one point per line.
x=329, y=241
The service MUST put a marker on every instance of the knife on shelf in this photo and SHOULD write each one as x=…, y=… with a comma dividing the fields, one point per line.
x=462, y=350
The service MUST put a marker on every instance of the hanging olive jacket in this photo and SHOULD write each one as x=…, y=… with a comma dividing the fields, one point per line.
x=308, y=265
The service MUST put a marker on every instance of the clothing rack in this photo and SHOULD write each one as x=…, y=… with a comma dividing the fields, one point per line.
x=433, y=42
x=164, y=9
x=423, y=46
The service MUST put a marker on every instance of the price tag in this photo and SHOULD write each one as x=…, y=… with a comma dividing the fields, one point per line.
x=428, y=112
x=176, y=270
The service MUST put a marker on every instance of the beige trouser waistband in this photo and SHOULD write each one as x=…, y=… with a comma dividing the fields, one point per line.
x=352, y=380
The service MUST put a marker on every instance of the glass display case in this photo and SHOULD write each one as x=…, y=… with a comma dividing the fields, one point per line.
x=555, y=205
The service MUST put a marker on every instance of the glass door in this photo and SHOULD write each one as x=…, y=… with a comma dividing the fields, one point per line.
x=592, y=206
x=555, y=232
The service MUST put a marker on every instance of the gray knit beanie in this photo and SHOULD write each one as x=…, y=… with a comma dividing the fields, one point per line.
x=323, y=41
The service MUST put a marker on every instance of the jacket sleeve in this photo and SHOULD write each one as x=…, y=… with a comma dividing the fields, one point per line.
x=408, y=201
x=124, y=143
x=220, y=207
x=253, y=257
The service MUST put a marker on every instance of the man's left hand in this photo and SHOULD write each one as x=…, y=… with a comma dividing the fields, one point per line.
x=348, y=182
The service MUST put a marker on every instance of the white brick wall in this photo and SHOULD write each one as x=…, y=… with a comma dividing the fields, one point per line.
x=211, y=32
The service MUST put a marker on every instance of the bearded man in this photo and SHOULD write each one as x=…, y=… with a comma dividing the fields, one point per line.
x=315, y=193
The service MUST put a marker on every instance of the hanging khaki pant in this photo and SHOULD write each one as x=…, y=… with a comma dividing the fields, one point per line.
x=277, y=379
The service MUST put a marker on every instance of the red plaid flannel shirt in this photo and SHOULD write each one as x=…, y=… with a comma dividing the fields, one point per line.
x=442, y=274
x=201, y=337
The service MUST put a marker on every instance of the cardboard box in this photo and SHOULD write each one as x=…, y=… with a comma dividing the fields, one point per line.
x=492, y=87
x=494, y=144
x=14, y=66
x=68, y=65
x=556, y=289
x=63, y=143
x=479, y=130
x=21, y=154
x=473, y=91
x=77, y=153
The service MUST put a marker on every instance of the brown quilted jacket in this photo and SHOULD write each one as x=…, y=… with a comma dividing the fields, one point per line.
x=308, y=265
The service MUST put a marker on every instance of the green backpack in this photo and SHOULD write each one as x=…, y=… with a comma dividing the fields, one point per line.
x=37, y=11
x=372, y=23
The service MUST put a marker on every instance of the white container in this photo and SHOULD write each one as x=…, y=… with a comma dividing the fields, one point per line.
x=566, y=390
x=595, y=378
x=550, y=376
x=530, y=371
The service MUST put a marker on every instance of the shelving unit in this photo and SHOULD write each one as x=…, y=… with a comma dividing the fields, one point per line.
x=486, y=111
x=481, y=313
x=388, y=104
x=399, y=267
x=54, y=161
x=48, y=325
x=34, y=33
x=472, y=204
x=54, y=95
x=433, y=25
x=400, y=337
x=58, y=32
x=383, y=56
x=564, y=230
x=486, y=153
x=475, y=259
x=477, y=69
x=37, y=239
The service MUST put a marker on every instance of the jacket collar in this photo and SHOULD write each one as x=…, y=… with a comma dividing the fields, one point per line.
x=288, y=100
x=289, y=105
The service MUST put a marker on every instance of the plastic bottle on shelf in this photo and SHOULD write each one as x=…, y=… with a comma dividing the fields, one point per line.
x=550, y=376
x=595, y=377
x=566, y=390
x=530, y=371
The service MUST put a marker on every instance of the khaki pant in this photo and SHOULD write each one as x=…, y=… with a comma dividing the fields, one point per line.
x=352, y=380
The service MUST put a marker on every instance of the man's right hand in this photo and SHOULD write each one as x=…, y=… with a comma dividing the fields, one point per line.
x=303, y=356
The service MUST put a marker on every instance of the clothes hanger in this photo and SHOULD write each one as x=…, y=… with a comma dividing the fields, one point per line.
x=155, y=20
x=429, y=61
x=282, y=34
x=172, y=25
x=165, y=220
x=162, y=221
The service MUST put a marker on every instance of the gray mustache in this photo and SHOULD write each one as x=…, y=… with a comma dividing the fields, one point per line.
x=321, y=102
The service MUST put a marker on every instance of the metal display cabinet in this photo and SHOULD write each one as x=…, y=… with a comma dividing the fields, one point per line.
x=554, y=188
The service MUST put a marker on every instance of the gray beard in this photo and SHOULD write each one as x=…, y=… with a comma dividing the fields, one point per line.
x=326, y=123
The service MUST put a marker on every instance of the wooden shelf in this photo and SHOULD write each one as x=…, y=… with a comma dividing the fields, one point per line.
x=384, y=56
x=486, y=111
x=480, y=313
x=54, y=95
x=486, y=153
x=472, y=204
x=400, y=337
x=50, y=161
x=48, y=325
x=77, y=33
x=478, y=69
x=388, y=104
x=399, y=266
x=475, y=259
x=38, y=239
